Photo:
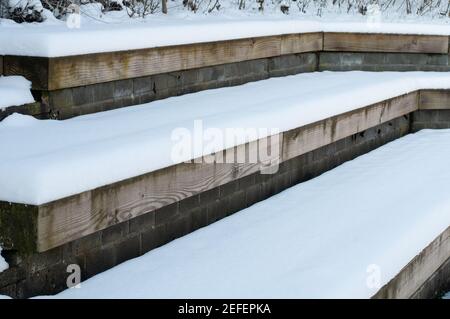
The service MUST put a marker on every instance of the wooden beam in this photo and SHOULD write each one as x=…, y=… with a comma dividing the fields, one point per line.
x=82, y=70
x=72, y=71
x=308, y=138
x=434, y=100
x=359, y=42
x=301, y=42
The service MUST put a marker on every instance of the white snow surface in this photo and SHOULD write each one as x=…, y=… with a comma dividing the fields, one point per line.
x=14, y=90
x=323, y=238
x=102, y=34
x=90, y=151
x=3, y=263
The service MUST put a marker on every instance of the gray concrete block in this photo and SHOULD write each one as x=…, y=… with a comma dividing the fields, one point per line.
x=86, y=244
x=426, y=116
x=115, y=233
x=166, y=214
x=189, y=204
x=142, y=222
x=212, y=73
x=83, y=95
x=443, y=115
x=100, y=260
x=292, y=64
x=247, y=182
x=128, y=248
x=153, y=238
x=215, y=210
x=143, y=85
x=253, y=194
x=61, y=99
x=180, y=226
x=123, y=88
x=199, y=217
x=104, y=92
x=228, y=188
x=41, y=261
x=46, y=281
x=189, y=79
x=236, y=202
x=209, y=196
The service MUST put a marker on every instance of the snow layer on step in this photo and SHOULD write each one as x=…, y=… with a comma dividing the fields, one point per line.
x=325, y=238
x=47, y=160
x=54, y=38
x=14, y=90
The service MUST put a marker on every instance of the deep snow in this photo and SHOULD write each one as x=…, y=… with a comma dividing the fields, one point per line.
x=325, y=238
x=14, y=90
x=90, y=151
x=105, y=33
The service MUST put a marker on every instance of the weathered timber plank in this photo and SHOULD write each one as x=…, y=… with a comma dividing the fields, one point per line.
x=1, y=65
x=355, y=42
x=418, y=271
x=35, y=69
x=73, y=71
x=65, y=220
x=434, y=100
x=310, y=137
x=104, y=67
x=302, y=42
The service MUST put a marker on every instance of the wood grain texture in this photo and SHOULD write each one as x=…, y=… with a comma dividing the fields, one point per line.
x=354, y=42
x=305, y=139
x=301, y=42
x=1, y=65
x=67, y=219
x=104, y=67
x=434, y=100
x=73, y=71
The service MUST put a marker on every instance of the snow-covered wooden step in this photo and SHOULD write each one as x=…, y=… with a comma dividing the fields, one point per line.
x=345, y=234
x=78, y=79
x=110, y=179
x=47, y=161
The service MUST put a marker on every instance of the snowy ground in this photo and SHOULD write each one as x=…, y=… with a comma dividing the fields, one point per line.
x=14, y=90
x=99, y=149
x=3, y=264
x=114, y=31
x=342, y=234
